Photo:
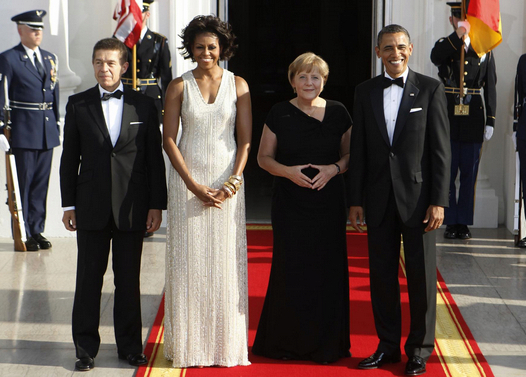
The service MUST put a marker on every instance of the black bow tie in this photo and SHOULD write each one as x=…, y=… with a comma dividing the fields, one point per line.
x=116, y=94
x=387, y=82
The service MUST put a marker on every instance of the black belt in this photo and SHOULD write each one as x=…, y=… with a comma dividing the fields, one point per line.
x=31, y=105
x=139, y=82
x=466, y=91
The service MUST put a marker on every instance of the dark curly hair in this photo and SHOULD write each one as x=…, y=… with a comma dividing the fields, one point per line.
x=208, y=24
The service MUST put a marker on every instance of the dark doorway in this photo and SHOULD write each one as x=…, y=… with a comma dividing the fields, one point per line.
x=271, y=34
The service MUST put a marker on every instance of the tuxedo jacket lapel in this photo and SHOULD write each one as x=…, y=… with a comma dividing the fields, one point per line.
x=408, y=98
x=377, y=99
x=128, y=111
x=95, y=112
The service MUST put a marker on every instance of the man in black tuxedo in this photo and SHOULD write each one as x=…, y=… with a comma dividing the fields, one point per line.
x=113, y=187
x=519, y=126
x=399, y=172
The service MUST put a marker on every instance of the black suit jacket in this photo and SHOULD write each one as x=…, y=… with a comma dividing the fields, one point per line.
x=417, y=164
x=520, y=87
x=98, y=179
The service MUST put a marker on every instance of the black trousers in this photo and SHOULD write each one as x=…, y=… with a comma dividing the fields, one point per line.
x=420, y=264
x=93, y=254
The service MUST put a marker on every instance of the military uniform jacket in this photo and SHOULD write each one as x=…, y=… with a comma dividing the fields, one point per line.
x=478, y=73
x=153, y=62
x=31, y=129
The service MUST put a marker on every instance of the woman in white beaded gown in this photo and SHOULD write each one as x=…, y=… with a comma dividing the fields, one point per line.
x=206, y=294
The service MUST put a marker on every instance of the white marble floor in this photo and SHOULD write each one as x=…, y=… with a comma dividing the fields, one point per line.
x=486, y=275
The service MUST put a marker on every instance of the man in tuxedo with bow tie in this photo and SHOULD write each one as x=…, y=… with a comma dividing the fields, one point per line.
x=399, y=178
x=113, y=186
x=29, y=74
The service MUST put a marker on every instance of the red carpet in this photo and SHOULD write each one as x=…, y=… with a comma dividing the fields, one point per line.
x=456, y=352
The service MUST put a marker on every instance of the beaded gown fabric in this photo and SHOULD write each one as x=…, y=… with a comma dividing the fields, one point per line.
x=206, y=293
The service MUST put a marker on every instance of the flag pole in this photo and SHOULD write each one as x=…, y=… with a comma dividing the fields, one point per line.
x=462, y=55
x=462, y=109
x=134, y=66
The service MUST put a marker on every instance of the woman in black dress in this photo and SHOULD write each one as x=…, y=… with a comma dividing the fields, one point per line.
x=305, y=145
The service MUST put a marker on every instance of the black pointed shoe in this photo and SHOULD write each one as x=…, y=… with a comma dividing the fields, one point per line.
x=451, y=232
x=463, y=232
x=378, y=359
x=32, y=244
x=85, y=364
x=43, y=242
x=415, y=366
x=522, y=243
x=135, y=359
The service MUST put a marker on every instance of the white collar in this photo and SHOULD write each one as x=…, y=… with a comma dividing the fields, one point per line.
x=102, y=90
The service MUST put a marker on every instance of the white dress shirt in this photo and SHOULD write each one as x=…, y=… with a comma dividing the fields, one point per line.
x=392, y=99
x=112, y=110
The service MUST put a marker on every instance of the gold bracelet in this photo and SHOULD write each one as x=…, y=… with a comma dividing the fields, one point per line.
x=231, y=187
x=229, y=192
x=236, y=181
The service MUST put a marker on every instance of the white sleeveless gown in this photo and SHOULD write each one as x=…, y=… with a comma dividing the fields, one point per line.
x=206, y=293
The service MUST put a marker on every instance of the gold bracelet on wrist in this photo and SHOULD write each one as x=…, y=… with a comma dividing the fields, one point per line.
x=236, y=181
x=230, y=186
x=229, y=192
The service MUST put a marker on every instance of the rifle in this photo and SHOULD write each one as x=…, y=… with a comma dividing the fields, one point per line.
x=13, y=190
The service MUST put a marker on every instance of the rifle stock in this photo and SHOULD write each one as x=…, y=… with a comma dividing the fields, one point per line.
x=13, y=191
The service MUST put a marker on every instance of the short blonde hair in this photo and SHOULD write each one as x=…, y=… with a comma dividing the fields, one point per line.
x=305, y=63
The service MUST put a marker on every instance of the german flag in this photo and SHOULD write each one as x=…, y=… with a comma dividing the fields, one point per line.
x=486, y=28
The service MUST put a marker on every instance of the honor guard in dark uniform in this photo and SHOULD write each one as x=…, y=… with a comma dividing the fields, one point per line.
x=154, y=65
x=470, y=124
x=30, y=75
x=519, y=125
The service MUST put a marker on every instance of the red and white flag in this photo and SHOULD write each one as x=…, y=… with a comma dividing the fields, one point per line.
x=128, y=14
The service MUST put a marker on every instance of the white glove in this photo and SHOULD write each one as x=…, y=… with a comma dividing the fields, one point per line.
x=488, y=133
x=465, y=24
x=4, y=144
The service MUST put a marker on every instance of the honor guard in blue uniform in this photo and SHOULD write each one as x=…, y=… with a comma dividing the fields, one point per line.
x=32, y=87
x=470, y=124
x=154, y=64
x=519, y=125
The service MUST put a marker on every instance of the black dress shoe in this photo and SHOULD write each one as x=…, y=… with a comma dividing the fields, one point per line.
x=522, y=243
x=43, y=242
x=451, y=232
x=378, y=359
x=32, y=244
x=135, y=359
x=84, y=364
x=415, y=366
x=463, y=232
